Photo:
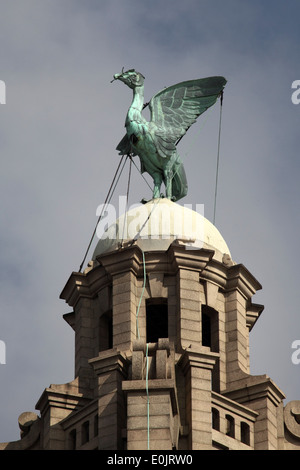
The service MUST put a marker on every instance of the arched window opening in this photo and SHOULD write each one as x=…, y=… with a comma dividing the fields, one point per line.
x=206, y=330
x=229, y=426
x=156, y=319
x=105, y=331
x=72, y=440
x=85, y=432
x=216, y=419
x=245, y=433
x=210, y=328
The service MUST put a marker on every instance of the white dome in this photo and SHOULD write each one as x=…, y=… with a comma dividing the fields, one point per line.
x=159, y=222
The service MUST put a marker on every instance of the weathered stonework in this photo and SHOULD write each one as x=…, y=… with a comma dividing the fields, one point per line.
x=189, y=389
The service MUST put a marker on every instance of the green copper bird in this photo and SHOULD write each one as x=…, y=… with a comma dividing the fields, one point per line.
x=173, y=110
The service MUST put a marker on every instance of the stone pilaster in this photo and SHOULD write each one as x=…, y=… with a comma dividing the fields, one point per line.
x=84, y=342
x=197, y=367
x=189, y=317
x=237, y=356
x=110, y=368
x=239, y=289
x=124, y=310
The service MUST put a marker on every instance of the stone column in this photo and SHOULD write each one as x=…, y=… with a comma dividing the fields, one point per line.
x=237, y=335
x=124, y=310
x=111, y=369
x=240, y=287
x=84, y=342
x=197, y=367
x=189, y=316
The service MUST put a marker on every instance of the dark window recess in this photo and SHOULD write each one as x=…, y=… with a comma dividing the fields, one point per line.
x=96, y=420
x=72, y=440
x=245, y=433
x=230, y=426
x=215, y=419
x=210, y=328
x=105, y=331
x=156, y=319
x=206, y=330
x=85, y=432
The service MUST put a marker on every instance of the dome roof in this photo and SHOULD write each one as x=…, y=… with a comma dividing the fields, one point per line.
x=159, y=222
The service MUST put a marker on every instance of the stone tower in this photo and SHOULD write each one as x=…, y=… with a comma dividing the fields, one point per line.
x=161, y=325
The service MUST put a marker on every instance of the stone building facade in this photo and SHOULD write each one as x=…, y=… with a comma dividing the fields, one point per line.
x=161, y=327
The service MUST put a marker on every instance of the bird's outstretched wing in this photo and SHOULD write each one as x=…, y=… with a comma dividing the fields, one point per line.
x=176, y=108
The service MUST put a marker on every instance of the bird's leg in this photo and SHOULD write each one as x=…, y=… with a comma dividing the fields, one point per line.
x=168, y=177
x=157, y=184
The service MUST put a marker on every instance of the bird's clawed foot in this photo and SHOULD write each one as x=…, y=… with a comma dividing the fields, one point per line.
x=161, y=196
x=144, y=200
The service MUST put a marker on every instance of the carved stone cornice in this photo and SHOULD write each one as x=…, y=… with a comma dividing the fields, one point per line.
x=178, y=256
x=123, y=260
x=64, y=396
x=253, y=312
x=252, y=388
x=197, y=357
x=216, y=273
x=84, y=285
x=182, y=257
x=239, y=278
x=109, y=361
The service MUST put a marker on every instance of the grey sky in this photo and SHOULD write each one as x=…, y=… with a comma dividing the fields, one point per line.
x=58, y=132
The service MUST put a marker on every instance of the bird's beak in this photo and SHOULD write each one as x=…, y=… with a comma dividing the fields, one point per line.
x=116, y=77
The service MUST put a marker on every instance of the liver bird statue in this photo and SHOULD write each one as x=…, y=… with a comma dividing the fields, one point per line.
x=173, y=111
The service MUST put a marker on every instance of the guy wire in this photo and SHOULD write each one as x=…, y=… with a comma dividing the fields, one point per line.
x=218, y=158
x=104, y=205
x=127, y=197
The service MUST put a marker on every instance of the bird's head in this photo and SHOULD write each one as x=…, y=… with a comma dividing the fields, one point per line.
x=131, y=78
